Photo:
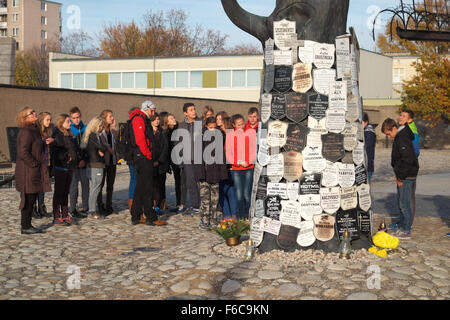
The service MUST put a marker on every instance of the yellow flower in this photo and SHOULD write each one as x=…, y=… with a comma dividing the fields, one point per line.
x=373, y=250
x=224, y=227
x=382, y=253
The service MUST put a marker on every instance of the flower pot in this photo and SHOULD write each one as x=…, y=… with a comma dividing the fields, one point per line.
x=233, y=241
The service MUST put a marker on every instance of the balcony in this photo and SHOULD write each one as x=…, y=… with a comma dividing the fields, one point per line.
x=3, y=24
x=3, y=10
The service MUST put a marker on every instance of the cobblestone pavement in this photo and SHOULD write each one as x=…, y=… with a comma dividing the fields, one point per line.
x=179, y=259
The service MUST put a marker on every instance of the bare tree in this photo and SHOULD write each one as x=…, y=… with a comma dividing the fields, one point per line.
x=78, y=43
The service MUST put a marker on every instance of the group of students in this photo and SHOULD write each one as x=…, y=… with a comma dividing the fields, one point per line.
x=75, y=153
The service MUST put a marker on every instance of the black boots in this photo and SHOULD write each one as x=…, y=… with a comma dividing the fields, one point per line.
x=32, y=230
x=36, y=214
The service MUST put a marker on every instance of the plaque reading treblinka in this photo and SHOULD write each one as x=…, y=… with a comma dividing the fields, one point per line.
x=324, y=55
x=333, y=146
x=324, y=227
x=278, y=109
x=313, y=161
x=276, y=135
x=268, y=52
x=337, y=97
x=277, y=189
x=287, y=238
x=330, y=199
x=266, y=107
x=293, y=169
x=306, y=236
x=322, y=79
x=317, y=129
x=349, y=198
x=349, y=133
x=275, y=168
x=256, y=231
x=317, y=106
x=309, y=205
x=358, y=153
x=273, y=207
x=302, y=78
x=296, y=106
x=360, y=175
x=282, y=32
x=348, y=220
x=282, y=79
x=364, y=197
x=290, y=213
x=296, y=137
x=330, y=174
x=310, y=183
x=335, y=120
x=269, y=78
x=306, y=53
x=346, y=174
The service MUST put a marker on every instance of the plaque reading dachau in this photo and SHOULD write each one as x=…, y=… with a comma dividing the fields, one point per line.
x=302, y=77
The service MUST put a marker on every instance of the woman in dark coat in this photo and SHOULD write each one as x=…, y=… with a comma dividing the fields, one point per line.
x=31, y=168
x=66, y=155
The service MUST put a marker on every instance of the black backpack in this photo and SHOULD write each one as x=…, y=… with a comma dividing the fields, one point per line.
x=126, y=146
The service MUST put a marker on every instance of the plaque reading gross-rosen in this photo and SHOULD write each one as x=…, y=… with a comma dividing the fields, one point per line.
x=278, y=108
x=317, y=105
x=324, y=227
x=348, y=220
x=333, y=146
x=283, y=79
x=293, y=165
x=269, y=78
x=302, y=78
x=287, y=238
x=296, y=106
x=273, y=207
x=296, y=137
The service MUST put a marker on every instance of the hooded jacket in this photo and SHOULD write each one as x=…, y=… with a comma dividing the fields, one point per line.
x=143, y=133
x=403, y=157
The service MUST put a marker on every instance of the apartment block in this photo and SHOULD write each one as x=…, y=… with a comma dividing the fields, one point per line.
x=32, y=23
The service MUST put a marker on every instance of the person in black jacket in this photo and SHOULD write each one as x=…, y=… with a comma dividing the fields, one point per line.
x=370, y=140
x=406, y=167
x=66, y=156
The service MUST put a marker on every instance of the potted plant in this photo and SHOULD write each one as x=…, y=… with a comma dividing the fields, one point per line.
x=232, y=229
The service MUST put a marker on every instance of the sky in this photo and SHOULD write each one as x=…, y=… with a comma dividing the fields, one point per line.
x=91, y=16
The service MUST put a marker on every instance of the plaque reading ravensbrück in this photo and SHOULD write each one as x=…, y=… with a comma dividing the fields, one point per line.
x=333, y=146
x=296, y=106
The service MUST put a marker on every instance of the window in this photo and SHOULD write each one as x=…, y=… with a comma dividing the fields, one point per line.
x=15, y=32
x=43, y=48
x=43, y=6
x=398, y=75
x=66, y=81
x=43, y=34
x=168, y=79
x=196, y=79
x=238, y=78
x=91, y=80
x=141, y=80
x=128, y=80
x=224, y=79
x=114, y=80
x=15, y=17
x=253, y=78
x=15, y=3
x=182, y=79
x=43, y=20
x=78, y=80
x=3, y=32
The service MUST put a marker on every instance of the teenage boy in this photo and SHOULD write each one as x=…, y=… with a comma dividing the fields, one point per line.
x=406, y=167
x=79, y=173
x=253, y=118
x=407, y=118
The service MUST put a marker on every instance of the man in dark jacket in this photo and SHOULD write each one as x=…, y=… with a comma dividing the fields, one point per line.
x=370, y=140
x=406, y=167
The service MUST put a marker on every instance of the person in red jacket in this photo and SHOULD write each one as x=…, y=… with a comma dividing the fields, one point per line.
x=253, y=119
x=142, y=155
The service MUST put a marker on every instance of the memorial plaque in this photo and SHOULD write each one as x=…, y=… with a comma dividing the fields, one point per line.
x=352, y=114
x=317, y=106
x=296, y=106
x=343, y=59
x=310, y=183
x=324, y=227
x=347, y=220
x=335, y=120
x=346, y=174
x=349, y=198
x=364, y=197
x=275, y=168
x=293, y=168
x=324, y=55
x=271, y=226
x=296, y=137
x=316, y=130
x=348, y=158
x=269, y=78
x=313, y=160
x=268, y=52
x=259, y=208
x=294, y=43
x=358, y=153
x=256, y=231
x=306, y=53
x=282, y=57
x=262, y=188
x=306, y=236
x=278, y=108
x=263, y=153
x=302, y=78
x=360, y=133
x=282, y=33
x=276, y=135
x=287, y=238
x=266, y=107
x=292, y=190
x=330, y=175
x=333, y=146
x=330, y=199
x=309, y=205
x=290, y=213
x=273, y=207
x=257, y=171
x=282, y=79
x=365, y=224
x=349, y=134
x=337, y=98
x=322, y=79
x=277, y=189
x=360, y=175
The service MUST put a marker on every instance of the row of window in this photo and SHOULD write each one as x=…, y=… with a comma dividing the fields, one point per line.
x=168, y=80
x=398, y=75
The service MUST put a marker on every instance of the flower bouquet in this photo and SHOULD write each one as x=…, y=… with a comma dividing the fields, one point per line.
x=232, y=229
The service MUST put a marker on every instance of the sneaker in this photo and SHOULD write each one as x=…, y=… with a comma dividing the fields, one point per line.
x=181, y=209
x=448, y=234
x=158, y=210
x=194, y=211
x=404, y=235
x=60, y=222
x=394, y=226
x=204, y=226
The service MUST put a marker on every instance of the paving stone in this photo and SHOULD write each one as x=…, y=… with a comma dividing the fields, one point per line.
x=416, y=291
x=332, y=293
x=290, y=290
x=230, y=286
x=180, y=287
x=270, y=275
x=362, y=296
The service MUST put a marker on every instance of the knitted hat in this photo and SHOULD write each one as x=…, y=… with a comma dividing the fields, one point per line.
x=146, y=105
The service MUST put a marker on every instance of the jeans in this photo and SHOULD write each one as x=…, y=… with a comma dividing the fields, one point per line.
x=177, y=176
x=133, y=177
x=405, y=197
x=79, y=175
x=243, y=180
x=96, y=177
x=228, y=199
x=189, y=185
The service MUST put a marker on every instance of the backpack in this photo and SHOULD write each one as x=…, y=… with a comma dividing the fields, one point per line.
x=126, y=146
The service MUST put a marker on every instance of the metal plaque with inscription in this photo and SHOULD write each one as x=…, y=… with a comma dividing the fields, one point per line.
x=266, y=107
x=313, y=161
x=346, y=174
x=293, y=168
x=287, y=238
x=309, y=205
x=333, y=146
x=273, y=207
x=275, y=168
x=256, y=230
x=306, y=53
x=306, y=236
x=335, y=120
x=282, y=33
x=268, y=51
x=317, y=129
x=360, y=175
x=330, y=199
x=278, y=108
x=322, y=79
x=348, y=220
x=296, y=106
x=317, y=105
x=290, y=213
x=330, y=174
x=310, y=183
x=276, y=135
x=282, y=79
x=349, y=134
x=269, y=78
x=324, y=227
x=302, y=78
x=364, y=197
x=296, y=137
x=337, y=97
x=349, y=198
x=324, y=55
